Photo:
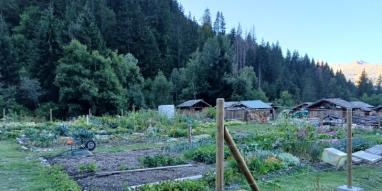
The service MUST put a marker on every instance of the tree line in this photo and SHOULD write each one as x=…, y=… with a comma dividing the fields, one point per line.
x=108, y=55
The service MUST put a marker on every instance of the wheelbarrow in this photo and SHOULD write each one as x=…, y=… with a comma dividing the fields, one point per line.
x=88, y=144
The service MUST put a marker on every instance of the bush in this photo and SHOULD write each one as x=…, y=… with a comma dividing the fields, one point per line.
x=205, y=154
x=60, y=180
x=288, y=159
x=160, y=160
x=89, y=167
x=186, y=185
x=62, y=130
x=82, y=134
x=178, y=133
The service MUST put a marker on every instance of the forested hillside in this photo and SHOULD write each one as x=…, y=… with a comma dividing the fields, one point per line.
x=108, y=55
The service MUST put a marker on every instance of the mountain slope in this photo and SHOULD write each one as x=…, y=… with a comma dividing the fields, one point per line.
x=353, y=70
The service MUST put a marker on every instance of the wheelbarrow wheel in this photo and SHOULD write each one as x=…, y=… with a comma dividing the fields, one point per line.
x=90, y=145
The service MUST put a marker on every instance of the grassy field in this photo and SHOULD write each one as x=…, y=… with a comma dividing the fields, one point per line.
x=21, y=170
x=367, y=177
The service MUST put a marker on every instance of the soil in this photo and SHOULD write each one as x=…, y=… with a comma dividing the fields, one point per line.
x=114, y=161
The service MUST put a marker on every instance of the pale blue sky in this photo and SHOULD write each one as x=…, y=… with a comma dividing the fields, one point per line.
x=336, y=31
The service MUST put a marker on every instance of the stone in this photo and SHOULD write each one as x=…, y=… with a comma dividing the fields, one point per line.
x=334, y=157
x=346, y=188
x=102, y=137
x=368, y=157
x=376, y=149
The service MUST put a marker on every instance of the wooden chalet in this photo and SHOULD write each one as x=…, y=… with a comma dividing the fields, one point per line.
x=333, y=107
x=192, y=106
x=301, y=107
x=361, y=109
x=378, y=110
x=251, y=110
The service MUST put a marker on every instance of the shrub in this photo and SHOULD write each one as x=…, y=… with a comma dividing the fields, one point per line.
x=186, y=185
x=62, y=130
x=205, y=154
x=160, y=160
x=178, y=132
x=87, y=167
x=60, y=180
x=82, y=134
x=288, y=159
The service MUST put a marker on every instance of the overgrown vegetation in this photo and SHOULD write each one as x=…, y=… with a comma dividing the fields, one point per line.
x=161, y=160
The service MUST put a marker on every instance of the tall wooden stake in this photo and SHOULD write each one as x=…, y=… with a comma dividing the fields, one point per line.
x=219, y=145
x=349, y=147
x=50, y=115
x=90, y=112
x=189, y=133
x=3, y=113
x=240, y=161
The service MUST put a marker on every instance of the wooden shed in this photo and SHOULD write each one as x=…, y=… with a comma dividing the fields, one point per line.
x=361, y=109
x=192, y=106
x=378, y=110
x=300, y=107
x=251, y=110
x=334, y=107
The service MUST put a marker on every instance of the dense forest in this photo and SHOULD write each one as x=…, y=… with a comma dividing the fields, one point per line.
x=108, y=55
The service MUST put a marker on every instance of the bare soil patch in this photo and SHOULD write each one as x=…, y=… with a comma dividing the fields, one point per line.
x=113, y=161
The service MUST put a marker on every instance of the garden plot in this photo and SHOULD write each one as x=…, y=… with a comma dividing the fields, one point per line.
x=127, y=160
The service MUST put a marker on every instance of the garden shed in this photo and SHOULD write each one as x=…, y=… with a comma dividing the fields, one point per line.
x=251, y=110
x=334, y=107
x=378, y=110
x=301, y=107
x=192, y=106
x=361, y=109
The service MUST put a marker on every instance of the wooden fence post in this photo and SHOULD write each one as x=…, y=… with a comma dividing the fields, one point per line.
x=50, y=115
x=219, y=182
x=189, y=133
x=4, y=113
x=240, y=161
x=349, y=147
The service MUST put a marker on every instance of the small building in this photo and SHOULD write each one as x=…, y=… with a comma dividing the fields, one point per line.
x=332, y=107
x=300, y=107
x=251, y=110
x=361, y=109
x=192, y=106
x=378, y=110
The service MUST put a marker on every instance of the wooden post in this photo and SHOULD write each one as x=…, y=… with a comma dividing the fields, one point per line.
x=90, y=113
x=378, y=120
x=349, y=147
x=121, y=112
x=240, y=161
x=189, y=133
x=4, y=113
x=50, y=115
x=219, y=145
x=87, y=119
x=318, y=183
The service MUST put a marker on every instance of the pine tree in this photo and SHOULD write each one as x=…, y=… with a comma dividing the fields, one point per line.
x=8, y=67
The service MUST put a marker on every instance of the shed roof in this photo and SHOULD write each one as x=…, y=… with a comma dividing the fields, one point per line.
x=336, y=101
x=193, y=102
x=360, y=104
x=252, y=104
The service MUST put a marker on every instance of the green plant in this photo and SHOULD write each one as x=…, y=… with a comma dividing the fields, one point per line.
x=82, y=134
x=205, y=154
x=186, y=185
x=288, y=159
x=178, y=132
x=62, y=130
x=160, y=160
x=89, y=167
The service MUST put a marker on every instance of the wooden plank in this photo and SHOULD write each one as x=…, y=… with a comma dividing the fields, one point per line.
x=100, y=174
x=240, y=161
x=349, y=146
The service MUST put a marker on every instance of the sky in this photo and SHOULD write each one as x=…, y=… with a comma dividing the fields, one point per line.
x=335, y=31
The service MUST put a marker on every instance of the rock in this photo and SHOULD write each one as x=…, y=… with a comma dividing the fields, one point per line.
x=356, y=160
x=346, y=188
x=24, y=148
x=334, y=157
x=368, y=157
x=102, y=132
x=44, y=161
